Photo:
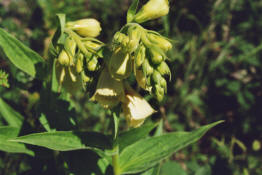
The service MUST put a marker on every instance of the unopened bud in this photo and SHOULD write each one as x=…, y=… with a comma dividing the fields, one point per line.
x=140, y=57
x=160, y=41
x=134, y=34
x=156, y=57
x=159, y=92
x=79, y=63
x=121, y=39
x=163, y=69
x=147, y=68
x=70, y=47
x=92, y=45
x=85, y=27
x=92, y=64
x=120, y=65
x=151, y=10
x=157, y=77
x=63, y=58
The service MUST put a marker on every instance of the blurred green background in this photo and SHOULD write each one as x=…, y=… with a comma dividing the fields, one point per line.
x=216, y=75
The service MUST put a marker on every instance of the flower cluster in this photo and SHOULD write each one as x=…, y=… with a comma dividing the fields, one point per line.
x=134, y=50
x=78, y=60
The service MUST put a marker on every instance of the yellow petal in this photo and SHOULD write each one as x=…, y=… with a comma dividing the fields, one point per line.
x=109, y=91
x=136, y=108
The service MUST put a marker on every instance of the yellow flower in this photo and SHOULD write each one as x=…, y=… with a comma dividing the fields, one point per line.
x=85, y=27
x=109, y=92
x=160, y=41
x=136, y=109
x=151, y=10
x=120, y=65
x=142, y=80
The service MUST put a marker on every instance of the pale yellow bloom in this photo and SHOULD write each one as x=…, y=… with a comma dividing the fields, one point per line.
x=109, y=92
x=120, y=65
x=151, y=10
x=136, y=109
x=85, y=27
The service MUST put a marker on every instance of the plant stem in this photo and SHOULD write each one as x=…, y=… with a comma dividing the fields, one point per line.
x=115, y=160
x=115, y=157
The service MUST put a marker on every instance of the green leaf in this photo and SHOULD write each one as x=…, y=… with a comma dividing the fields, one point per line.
x=146, y=153
x=172, y=168
x=12, y=117
x=132, y=11
x=62, y=22
x=135, y=134
x=152, y=171
x=67, y=140
x=20, y=55
x=7, y=132
x=55, y=82
x=116, y=123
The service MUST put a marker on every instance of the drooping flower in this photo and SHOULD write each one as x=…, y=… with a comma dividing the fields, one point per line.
x=120, y=65
x=109, y=92
x=136, y=109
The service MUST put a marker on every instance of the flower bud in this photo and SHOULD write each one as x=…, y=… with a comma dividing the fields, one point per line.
x=163, y=69
x=163, y=84
x=92, y=45
x=160, y=41
x=134, y=34
x=120, y=65
x=140, y=57
x=156, y=57
x=159, y=92
x=136, y=109
x=67, y=54
x=151, y=10
x=142, y=81
x=109, y=92
x=157, y=77
x=79, y=63
x=85, y=27
x=121, y=39
x=147, y=68
x=63, y=58
x=92, y=64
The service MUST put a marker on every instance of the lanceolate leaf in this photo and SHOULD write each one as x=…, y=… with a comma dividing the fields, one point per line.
x=8, y=132
x=135, y=134
x=148, y=152
x=12, y=117
x=132, y=11
x=67, y=140
x=20, y=55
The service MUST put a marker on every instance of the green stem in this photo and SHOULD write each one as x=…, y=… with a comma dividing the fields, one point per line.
x=115, y=160
x=115, y=156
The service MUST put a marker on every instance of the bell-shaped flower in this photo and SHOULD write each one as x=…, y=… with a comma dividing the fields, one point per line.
x=120, y=64
x=136, y=109
x=109, y=92
x=85, y=27
x=151, y=10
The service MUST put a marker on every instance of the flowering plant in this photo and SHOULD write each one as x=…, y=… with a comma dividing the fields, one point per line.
x=80, y=61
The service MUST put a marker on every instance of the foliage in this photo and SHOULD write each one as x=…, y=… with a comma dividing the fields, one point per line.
x=216, y=75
